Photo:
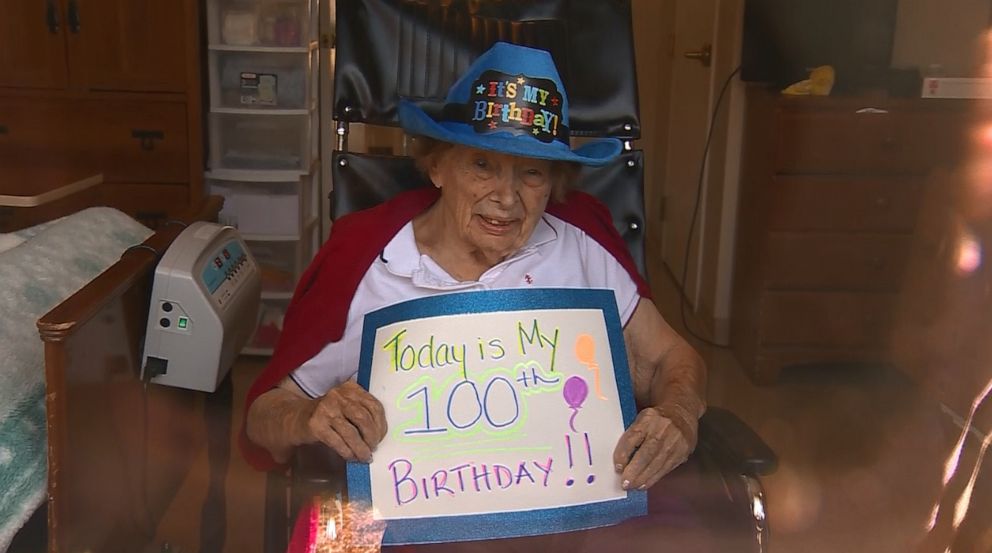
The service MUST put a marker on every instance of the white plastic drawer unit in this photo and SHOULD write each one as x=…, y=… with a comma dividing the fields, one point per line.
x=264, y=80
x=284, y=208
x=262, y=23
x=260, y=140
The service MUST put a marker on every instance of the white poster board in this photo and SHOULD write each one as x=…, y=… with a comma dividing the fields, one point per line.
x=504, y=408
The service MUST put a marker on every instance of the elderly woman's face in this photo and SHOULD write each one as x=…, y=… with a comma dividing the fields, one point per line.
x=493, y=200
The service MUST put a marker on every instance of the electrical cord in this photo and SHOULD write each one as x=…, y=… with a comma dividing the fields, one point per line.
x=695, y=211
x=183, y=224
x=142, y=246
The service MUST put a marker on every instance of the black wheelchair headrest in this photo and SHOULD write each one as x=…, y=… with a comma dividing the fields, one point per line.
x=418, y=48
x=363, y=180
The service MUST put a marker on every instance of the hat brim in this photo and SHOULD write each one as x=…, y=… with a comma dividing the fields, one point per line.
x=594, y=153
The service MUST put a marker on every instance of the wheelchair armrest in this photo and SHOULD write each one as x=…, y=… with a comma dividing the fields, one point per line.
x=316, y=470
x=733, y=443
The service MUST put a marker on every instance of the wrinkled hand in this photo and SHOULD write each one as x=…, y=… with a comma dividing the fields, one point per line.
x=650, y=449
x=349, y=420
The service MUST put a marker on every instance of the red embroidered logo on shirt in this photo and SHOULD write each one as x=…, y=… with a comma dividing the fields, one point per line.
x=529, y=279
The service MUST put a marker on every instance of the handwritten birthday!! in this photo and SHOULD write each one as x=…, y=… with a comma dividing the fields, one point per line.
x=480, y=392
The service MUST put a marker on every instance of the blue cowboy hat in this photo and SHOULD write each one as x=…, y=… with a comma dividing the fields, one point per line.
x=510, y=100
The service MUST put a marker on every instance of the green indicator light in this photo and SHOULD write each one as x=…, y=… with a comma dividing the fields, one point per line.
x=183, y=322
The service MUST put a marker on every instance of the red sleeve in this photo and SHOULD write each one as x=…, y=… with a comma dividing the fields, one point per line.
x=593, y=217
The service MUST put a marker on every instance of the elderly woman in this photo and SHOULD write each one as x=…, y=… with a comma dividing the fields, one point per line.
x=499, y=216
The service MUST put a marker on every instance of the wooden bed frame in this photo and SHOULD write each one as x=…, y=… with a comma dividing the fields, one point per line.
x=117, y=451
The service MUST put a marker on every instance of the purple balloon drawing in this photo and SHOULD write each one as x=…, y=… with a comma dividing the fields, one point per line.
x=575, y=392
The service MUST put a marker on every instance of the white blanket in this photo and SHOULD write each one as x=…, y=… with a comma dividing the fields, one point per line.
x=40, y=267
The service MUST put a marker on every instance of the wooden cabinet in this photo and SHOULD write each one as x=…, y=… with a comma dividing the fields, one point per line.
x=137, y=140
x=137, y=45
x=830, y=194
x=32, y=46
x=33, y=129
x=112, y=86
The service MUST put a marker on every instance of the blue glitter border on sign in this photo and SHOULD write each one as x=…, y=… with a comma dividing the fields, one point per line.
x=516, y=523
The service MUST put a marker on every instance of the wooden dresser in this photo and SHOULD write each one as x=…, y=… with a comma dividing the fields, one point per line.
x=830, y=191
x=110, y=86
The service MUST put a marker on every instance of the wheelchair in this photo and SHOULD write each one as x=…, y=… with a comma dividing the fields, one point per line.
x=386, y=49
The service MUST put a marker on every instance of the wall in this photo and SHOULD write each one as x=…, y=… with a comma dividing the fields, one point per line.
x=942, y=32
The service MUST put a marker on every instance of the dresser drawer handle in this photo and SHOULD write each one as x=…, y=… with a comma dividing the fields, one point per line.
x=872, y=111
x=882, y=202
x=147, y=138
x=3, y=129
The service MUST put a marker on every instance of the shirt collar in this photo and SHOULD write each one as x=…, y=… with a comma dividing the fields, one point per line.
x=401, y=256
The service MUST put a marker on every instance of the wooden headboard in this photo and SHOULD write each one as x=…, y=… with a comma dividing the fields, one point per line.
x=117, y=452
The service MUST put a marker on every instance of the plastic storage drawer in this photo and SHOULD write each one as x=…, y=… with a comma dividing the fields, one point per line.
x=281, y=208
x=279, y=262
x=265, y=23
x=282, y=261
x=263, y=141
x=264, y=80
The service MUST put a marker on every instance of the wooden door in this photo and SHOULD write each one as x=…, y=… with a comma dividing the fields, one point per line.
x=688, y=119
x=32, y=44
x=128, y=45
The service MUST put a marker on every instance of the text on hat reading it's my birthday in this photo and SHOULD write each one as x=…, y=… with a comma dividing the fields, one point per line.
x=510, y=111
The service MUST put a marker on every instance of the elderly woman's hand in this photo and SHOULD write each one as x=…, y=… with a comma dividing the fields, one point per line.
x=349, y=420
x=652, y=447
x=669, y=376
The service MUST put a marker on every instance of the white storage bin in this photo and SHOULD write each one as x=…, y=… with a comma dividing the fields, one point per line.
x=281, y=208
x=263, y=80
x=260, y=140
x=264, y=23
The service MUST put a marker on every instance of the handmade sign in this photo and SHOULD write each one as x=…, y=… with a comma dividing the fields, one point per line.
x=504, y=408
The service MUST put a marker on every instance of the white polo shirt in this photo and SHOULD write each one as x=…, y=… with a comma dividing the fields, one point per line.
x=558, y=255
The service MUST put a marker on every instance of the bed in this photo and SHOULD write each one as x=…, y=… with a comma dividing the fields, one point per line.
x=117, y=451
